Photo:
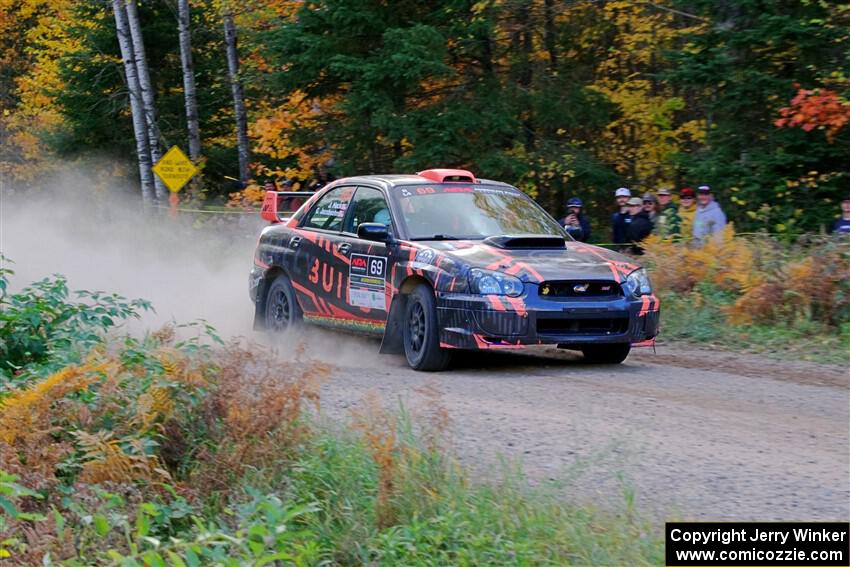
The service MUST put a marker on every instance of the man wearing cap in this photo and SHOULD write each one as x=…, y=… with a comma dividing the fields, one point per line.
x=687, y=211
x=668, y=223
x=575, y=223
x=842, y=223
x=639, y=226
x=709, y=218
x=621, y=219
x=650, y=207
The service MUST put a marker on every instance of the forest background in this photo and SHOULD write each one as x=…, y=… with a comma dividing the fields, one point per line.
x=559, y=98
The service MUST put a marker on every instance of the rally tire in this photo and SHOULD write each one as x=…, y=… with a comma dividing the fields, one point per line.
x=282, y=312
x=421, y=332
x=606, y=353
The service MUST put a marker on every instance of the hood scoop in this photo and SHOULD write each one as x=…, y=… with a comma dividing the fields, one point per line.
x=526, y=242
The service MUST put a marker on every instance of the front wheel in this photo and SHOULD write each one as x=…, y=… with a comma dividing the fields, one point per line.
x=421, y=335
x=282, y=311
x=606, y=353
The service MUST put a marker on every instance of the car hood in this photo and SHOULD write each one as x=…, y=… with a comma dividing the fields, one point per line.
x=575, y=261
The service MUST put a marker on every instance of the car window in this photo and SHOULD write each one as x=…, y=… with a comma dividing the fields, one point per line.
x=329, y=211
x=369, y=205
x=475, y=211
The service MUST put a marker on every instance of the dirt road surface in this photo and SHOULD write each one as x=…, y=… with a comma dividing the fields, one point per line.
x=691, y=434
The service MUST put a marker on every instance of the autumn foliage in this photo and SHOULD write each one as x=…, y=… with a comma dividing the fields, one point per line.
x=766, y=281
x=816, y=108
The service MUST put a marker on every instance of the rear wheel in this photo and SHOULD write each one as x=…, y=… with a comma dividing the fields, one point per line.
x=421, y=334
x=282, y=311
x=606, y=354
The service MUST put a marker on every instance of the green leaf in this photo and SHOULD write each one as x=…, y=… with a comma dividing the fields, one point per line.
x=8, y=507
x=101, y=525
x=60, y=523
x=192, y=557
x=143, y=525
x=176, y=560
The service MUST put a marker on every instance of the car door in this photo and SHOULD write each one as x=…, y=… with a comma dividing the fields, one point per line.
x=319, y=273
x=366, y=293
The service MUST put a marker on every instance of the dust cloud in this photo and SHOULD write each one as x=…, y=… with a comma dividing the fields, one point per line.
x=192, y=267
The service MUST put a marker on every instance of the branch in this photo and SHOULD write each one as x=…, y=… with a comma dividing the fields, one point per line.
x=679, y=12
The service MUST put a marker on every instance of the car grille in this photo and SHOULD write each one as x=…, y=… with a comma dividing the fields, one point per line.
x=579, y=288
x=617, y=324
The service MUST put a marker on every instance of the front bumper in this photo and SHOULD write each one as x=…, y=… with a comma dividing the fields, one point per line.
x=480, y=322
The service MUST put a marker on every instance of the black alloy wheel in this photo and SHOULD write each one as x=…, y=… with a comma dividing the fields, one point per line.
x=282, y=311
x=421, y=333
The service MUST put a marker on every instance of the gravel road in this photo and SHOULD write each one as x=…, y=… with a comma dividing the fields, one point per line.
x=691, y=434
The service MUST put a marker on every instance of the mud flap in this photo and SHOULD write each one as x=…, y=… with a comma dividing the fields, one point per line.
x=260, y=307
x=393, y=341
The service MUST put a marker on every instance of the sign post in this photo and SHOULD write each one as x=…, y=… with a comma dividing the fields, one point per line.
x=175, y=170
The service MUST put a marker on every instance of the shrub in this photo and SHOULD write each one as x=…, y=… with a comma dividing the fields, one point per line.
x=40, y=325
x=768, y=282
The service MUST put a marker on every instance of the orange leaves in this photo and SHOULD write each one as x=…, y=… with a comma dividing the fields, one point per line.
x=276, y=130
x=815, y=108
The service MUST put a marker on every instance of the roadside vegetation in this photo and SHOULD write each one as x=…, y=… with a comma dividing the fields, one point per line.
x=177, y=449
x=758, y=293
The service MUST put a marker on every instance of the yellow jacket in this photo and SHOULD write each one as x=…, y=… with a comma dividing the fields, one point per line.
x=687, y=216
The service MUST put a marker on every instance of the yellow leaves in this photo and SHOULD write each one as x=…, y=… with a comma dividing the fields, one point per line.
x=153, y=406
x=727, y=262
x=24, y=413
x=275, y=132
x=105, y=460
x=40, y=28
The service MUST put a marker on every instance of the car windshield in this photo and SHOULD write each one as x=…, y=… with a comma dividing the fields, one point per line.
x=447, y=212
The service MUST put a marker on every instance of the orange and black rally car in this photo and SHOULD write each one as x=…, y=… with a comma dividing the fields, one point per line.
x=440, y=261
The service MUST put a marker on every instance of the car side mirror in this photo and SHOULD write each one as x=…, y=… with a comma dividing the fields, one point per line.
x=373, y=231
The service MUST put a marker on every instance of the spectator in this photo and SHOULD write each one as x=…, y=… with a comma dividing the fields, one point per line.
x=842, y=223
x=639, y=226
x=269, y=185
x=650, y=206
x=687, y=211
x=575, y=223
x=621, y=219
x=669, y=223
x=709, y=218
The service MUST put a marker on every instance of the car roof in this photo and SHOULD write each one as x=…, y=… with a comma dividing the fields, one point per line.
x=397, y=180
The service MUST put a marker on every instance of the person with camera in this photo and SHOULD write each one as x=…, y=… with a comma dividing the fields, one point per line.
x=574, y=222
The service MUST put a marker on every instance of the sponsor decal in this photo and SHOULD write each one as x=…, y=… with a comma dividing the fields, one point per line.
x=367, y=276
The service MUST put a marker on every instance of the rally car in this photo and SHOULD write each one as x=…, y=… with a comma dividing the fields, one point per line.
x=442, y=260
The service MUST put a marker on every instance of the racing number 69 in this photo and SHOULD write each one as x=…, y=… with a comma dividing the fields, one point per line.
x=375, y=267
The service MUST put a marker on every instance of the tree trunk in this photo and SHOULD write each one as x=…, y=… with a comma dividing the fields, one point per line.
x=238, y=99
x=549, y=33
x=147, y=92
x=189, y=81
x=136, y=106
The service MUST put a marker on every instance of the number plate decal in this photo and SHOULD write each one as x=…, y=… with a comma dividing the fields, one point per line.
x=366, y=278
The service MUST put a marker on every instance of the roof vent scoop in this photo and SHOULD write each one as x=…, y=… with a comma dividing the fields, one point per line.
x=526, y=242
x=448, y=175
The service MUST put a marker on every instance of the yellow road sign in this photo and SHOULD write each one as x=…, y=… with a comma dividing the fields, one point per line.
x=175, y=169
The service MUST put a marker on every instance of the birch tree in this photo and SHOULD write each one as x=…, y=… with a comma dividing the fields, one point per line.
x=189, y=81
x=136, y=104
x=146, y=92
x=243, y=147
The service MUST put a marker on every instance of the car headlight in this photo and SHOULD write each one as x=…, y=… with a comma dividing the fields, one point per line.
x=637, y=283
x=487, y=282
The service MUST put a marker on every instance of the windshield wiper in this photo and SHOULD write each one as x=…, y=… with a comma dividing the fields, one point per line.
x=437, y=237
